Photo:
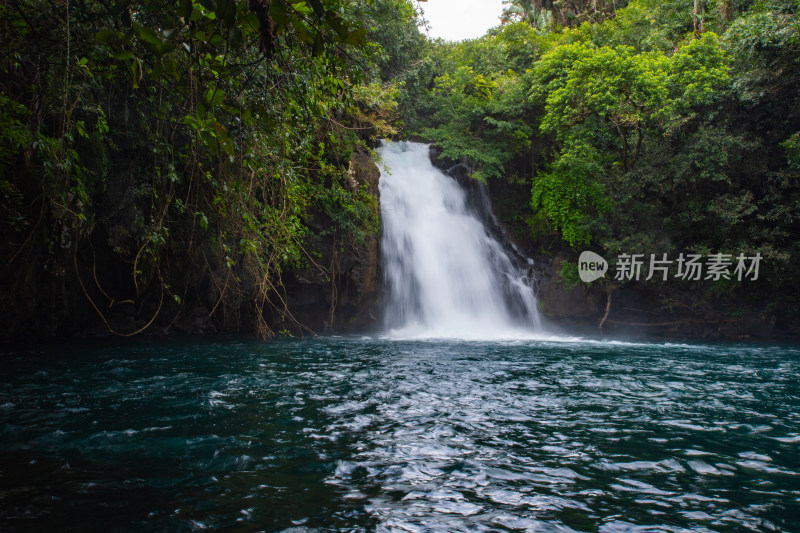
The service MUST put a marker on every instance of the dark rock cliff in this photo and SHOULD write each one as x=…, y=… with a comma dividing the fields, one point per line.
x=342, y=292
x=85, y=289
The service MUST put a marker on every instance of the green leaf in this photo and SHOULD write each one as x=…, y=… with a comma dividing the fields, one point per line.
x=279, y=16
x=226, y=12
x=169, y=66
x=356, y=37
x=107, y=36
x=319, y=45
x=165, y=49
x=136, y=72
x=338, y=26
x=147, y=35
x=227, y=145
x=301, y=7
x=249, y=23
x=156, y=71
x=214, y=96
x=316, y=5
x=124, y=55
x=303, y=32
x=203, y=220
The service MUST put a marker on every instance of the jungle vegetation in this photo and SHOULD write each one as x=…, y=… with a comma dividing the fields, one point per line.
x=640, y=127
x=154, y=152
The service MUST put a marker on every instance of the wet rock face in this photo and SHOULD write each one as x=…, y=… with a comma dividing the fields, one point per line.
x=637, y=311
x=363, y=170
x=561, y=302
x=358, y=279
x=342, y=292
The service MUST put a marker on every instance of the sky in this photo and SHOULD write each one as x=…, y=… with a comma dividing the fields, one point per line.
x=455, y=20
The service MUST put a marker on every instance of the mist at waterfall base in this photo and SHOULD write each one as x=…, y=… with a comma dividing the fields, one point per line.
x=446, y=276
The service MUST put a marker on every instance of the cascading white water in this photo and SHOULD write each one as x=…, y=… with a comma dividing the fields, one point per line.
x=446, y=275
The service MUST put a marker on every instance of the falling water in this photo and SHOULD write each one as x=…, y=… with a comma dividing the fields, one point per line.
x=447, y=277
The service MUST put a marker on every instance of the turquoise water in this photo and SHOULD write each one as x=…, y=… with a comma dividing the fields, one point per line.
x=356, y=434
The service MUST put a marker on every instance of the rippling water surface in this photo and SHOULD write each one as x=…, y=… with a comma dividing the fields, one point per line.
x=378, y=435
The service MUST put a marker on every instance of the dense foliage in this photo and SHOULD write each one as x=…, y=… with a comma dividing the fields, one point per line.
x=156, y=156
x=157, y=151
x=664, y=127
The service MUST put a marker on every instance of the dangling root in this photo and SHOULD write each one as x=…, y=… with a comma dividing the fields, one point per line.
x=100, y=313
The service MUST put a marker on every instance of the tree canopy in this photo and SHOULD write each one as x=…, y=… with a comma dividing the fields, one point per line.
x=638, y=127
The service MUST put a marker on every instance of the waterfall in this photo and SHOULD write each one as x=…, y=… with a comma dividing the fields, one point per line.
x=446, y=275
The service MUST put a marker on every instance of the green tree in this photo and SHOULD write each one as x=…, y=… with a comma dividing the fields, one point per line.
x=175, y=142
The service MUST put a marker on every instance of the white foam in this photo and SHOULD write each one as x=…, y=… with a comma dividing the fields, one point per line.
x=448, y=278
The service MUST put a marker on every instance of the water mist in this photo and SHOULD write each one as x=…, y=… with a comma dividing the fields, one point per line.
x=446, y=276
